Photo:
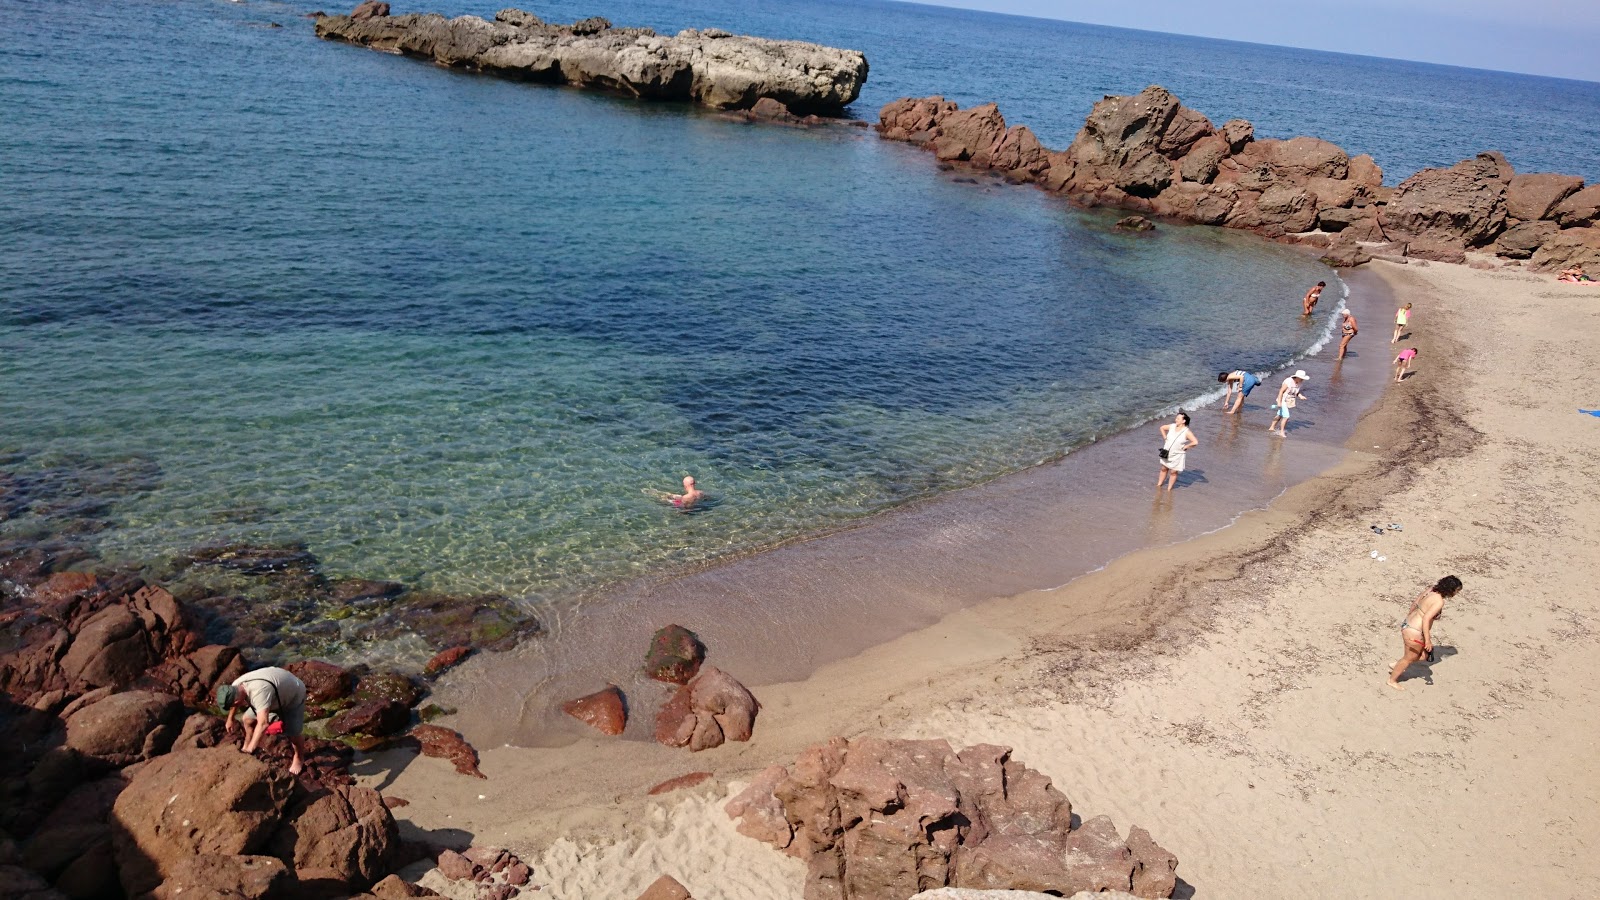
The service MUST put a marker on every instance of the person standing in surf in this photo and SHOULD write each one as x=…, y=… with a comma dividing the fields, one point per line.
x=1312, y=296
x=1176, y=440
x=1347, y=330
x=1240, y=380
x=1288, y=395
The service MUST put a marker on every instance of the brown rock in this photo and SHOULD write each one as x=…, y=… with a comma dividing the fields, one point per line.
x=442, y=743
x=1572, y=246
x=665, y=888
x=674, y=656
x=340, y=832
x=1135, y=223
x=1519, y=241
x=604, y=710
x=1580, y=209
x=1202, y=162
x=194, y=677
x=720, y=709
x=193, y=803
x=457, y=867
x=1303, y=158
x=682, y=781
x=370, y=9
x=1238, y=132
x=518, y=873
x=908, y=118
x=671, y=717
x=212, y=875
x=375, y=718
x=447, y=659
x=1019, y=154
x=393, y=888
x=63, y=587
x=1439, y=212
x=770, y=110
x=970, y=134
x=1345, y=253
x=1535, y=196
x=325, y=682
x=125, y=728
x=388, y=686
x=1120, y=144
x=760, y=814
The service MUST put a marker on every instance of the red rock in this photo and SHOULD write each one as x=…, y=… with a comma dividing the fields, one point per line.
x=1444, y=211
x=1155, y=872
x=396, y=802
x=1345, y=253
x=719, y=709
x=1535, y=196
x=1019, y=154
x=447, y=659
x=909, y=119
x=665, y=888
x=370, y=9
x=1580, y=209
x=212, y=875
x=970, y=134
x=192, y=803
x=602, y=710
x=1580, y=246
x=674, y=656
x=760, y=814
x=442, y=743
x=1519, y=241
x=457, y=867
x=374, y=718
x=682, y=781
x=1302, y=158
x=518, y=873
x=492, y=859
x=125, y=728
x=671, y=717
x=388, y=686
x=63, y=587
x=195, y=676
x=393, y=888
x=342, y=833
x=324, y=681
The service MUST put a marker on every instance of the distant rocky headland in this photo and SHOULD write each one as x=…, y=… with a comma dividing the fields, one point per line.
x=1149, y=153
x=709, y=67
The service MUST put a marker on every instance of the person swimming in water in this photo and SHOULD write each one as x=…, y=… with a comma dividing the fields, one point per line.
x=690, y=496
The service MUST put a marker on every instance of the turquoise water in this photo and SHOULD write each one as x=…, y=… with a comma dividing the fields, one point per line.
x=448, y=330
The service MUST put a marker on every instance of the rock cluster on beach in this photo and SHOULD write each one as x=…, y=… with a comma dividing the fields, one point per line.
x=1151, y=154
x=875, y=818
x=117, y=780
x=709, y=66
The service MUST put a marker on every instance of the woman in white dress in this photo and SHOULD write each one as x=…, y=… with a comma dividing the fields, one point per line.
x=1176, y=440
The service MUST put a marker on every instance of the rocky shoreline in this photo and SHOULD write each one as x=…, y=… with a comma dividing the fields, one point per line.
x=1149, y=153
x=709, y=66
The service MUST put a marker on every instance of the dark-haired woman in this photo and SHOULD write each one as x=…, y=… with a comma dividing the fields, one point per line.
x=1416, y=632
x=1176, y=440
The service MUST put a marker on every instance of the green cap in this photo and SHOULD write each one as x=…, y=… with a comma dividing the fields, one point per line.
x=225, y=695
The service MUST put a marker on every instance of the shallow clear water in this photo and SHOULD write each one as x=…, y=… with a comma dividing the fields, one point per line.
x=448, y=329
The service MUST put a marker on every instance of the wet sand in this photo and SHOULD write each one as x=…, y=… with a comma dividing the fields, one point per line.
x=780, y=615
x=1225, y=692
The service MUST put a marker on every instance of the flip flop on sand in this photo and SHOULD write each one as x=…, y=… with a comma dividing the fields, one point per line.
x=1377, y=529
x=1395, y=526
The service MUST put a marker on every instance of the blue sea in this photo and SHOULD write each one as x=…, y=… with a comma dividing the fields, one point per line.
x=453, y=331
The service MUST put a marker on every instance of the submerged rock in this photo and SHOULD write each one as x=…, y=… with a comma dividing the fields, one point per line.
x=674, y=656
x=710, y=67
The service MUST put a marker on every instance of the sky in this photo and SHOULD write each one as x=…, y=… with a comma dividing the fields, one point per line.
x=1539, y=37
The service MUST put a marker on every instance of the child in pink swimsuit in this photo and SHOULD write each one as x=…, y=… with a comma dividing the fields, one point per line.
x=1403, y=362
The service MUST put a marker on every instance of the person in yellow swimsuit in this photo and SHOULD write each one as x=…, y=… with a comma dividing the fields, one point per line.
x=1402, y=318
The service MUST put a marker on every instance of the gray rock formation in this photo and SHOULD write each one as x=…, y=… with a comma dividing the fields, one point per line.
x=710, y=67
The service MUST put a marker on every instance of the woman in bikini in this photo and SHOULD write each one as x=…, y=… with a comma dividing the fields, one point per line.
x=1312, y=296
x=1416, y=632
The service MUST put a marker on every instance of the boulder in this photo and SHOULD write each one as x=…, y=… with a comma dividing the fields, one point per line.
x=394, y=888
x=457, y=867
x=1238, y=132
x=1202, y=162
x=1302, y=158
x=126, y=728
x=192, y=803
x=719, y=709
x=1579, y=210
x=233, y=877
x=1571, y=246
x=1519, y=241
x=1345, y=253
x=1360, y=223
x=72, y=845
x=879, y=818
x=760, y=813
x=603, y=710
x=193, y=678
x=369, y=9
x=908, y=118
x=1019, y=154
x=1444, y=211
x=389, y=686
x=1135, y=223
x=666, y=888
x=1121, y=142
x=674, y=656
x=324, y=681
x=376, y=718
x=969, y=135
x=340, y=833
x=113, y=647
x=442, y=743
x=199, y=731
x=1534, y=196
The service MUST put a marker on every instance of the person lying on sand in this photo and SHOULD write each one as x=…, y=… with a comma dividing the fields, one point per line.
x=263, y=696
x=1573, y=274
x=1402, y=318
x=1240, y=380
x=1312, y=296
x=1416, y=630
x=1288, y=395
x=690, y=496
x=1403, y=362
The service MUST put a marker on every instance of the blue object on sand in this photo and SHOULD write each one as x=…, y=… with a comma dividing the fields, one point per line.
x=1591, y=412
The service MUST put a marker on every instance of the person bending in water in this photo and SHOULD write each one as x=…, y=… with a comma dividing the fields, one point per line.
x=690, y=496
x=1402, y=318
x=1403, y=362
x=1239, y=379
x=1176, y=440
x=1312, y=296
x=1288, y=395
x=1348, y=329
x=1416, y=631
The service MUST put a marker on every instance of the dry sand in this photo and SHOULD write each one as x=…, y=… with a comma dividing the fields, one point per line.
x=1226, y=693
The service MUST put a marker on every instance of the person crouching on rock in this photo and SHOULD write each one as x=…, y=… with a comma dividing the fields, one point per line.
x=264, y=696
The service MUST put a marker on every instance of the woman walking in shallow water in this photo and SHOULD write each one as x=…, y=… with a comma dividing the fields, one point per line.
x=1416, y=631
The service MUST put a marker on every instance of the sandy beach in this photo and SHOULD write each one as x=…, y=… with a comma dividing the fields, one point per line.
x=1226, y=693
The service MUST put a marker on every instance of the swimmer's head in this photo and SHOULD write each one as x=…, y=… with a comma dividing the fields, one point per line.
x=688, y=482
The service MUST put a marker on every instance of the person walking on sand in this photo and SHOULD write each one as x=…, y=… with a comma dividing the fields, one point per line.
x=262, y=696
x=1403, y=362
x=1240, y=380
x=1288, y=395
x=1176, y=440
x=1312, y=296
x=1416, y=630
x=1402, y=318
x=1348, y=329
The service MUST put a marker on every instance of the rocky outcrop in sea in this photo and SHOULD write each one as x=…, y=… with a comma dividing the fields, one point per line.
x=1149, y=153
x=709, y=66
